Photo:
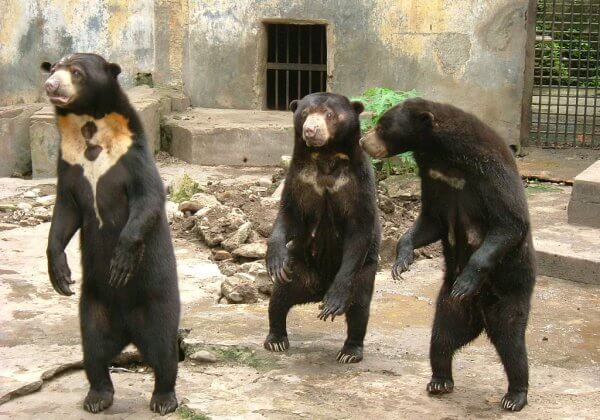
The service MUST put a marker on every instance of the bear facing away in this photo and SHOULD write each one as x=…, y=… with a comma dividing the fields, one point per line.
x=325, y=241
x=473, y=201
x=109, y=187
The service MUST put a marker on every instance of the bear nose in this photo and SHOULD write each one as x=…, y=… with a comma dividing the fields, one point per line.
x=51, y=85
x=310, y=131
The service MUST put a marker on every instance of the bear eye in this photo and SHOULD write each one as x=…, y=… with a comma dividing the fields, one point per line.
x=330, y=115
x=76, y=73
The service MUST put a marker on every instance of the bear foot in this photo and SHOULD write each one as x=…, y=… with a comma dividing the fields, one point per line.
x=277, y=343
x=97, y=401
x=438, y=386
x=350, y=354
x=163, y=403
x=514, y=401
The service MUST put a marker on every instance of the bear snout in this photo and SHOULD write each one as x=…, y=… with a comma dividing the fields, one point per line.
x=373, y=145
x=51, y=85
x=310, y=131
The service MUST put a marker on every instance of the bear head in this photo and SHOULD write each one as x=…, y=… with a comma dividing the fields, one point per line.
x=322, y=119
x=80, y=82
x=404, y=127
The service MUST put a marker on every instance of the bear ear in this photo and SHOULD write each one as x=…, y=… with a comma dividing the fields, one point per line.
x=427, y=118
x=293, y=105
x=358, y=107
x=46, y=66
x=114, y=69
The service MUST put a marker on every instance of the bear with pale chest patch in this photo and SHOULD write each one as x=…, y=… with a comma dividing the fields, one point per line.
x=110, y=190
x=325, y=241
x=472, y=200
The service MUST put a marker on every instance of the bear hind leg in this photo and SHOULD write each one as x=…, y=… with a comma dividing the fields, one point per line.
x=505, y=325
x=101, y=343
x=455, y=325
x=286, y=295
x=357, y=315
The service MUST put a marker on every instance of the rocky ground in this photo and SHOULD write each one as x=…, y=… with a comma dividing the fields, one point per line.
x=220, y=219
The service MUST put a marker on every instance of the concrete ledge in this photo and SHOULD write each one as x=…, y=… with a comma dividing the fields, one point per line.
x=584, y=206
x=568, y=252
x=44, y=143
x=15, y=149
x=229, y=137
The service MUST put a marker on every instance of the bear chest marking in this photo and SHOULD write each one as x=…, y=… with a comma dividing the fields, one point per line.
x=329, y=175
x=96, y=145
x=455, y=181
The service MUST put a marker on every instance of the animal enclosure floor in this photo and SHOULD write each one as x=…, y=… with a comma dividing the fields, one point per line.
x=39, y=330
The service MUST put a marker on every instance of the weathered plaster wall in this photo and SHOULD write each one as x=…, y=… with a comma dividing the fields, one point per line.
x=32, y=31
x=468, y=52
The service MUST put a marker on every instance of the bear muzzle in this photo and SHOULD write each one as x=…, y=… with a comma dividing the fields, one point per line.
x=59, y=88
x=374, y=145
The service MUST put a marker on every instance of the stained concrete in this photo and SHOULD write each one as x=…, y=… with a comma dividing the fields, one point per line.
x=467, y=52
x=15, y=149
x=33, y=31
x=556, y=165
x=562, y=250
x=40, y=330
x=229, y=137
x=584, y=206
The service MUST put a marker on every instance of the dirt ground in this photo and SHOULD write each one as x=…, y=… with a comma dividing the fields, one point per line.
x=40, y=331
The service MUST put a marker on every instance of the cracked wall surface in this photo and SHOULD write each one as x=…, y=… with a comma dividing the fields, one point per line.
x=467, y=52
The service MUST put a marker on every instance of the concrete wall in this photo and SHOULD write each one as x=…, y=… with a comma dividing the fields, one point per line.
x=32, y=31
x=468, y=52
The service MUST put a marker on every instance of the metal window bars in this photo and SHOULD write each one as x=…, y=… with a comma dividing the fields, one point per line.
x=296, y=62
x=565, y=108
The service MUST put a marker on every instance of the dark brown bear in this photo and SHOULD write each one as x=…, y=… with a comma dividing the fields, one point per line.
x=110, y=190
x=474, y=202
x=325, y=240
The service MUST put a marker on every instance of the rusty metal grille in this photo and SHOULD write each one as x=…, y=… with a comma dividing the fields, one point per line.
x=566, y=94
x=296, y=62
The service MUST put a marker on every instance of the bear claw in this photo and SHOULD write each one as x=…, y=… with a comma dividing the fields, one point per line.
x=350, y=354
x=163, y=403
x=277, y=344
x=514, y=401
x=97, y=401
x=440, y=386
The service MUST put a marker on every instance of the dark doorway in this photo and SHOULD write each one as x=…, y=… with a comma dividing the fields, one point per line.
x=565, y=108
x=296, y=62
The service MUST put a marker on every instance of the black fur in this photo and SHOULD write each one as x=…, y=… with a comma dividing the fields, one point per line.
x=129, y=292
x=333, y=237
x=484, y=228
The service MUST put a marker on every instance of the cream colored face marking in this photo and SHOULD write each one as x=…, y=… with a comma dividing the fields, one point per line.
x=113, y=136
x=456, y=183
x=316, y=120
x=66, y=89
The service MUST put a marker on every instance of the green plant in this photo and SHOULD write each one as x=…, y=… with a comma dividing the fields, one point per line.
x=377, y=100
x=184, y=188
x=187, y=413
x=244, y=356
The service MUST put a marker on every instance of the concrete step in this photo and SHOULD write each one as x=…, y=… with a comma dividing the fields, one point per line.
x=229, y=136
x=562, y=250
x=584, y=206
x=568, y=252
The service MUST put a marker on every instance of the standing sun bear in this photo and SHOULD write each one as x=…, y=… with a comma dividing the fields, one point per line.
x=109, y=187
x=325, y=241
x=474, y=202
